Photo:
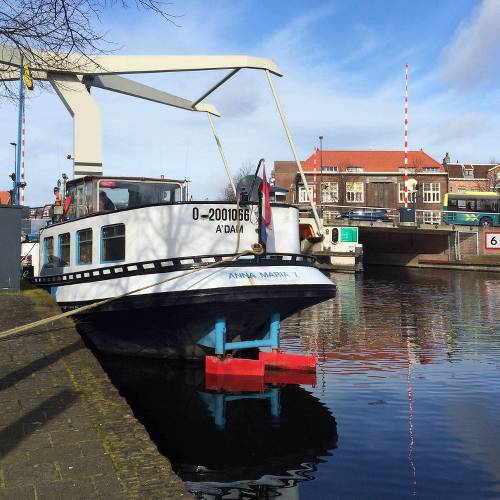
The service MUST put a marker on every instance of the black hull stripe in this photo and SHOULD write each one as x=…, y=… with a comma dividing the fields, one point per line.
x=169, y=265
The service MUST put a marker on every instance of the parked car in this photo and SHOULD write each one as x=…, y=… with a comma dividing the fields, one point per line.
x=365, y=214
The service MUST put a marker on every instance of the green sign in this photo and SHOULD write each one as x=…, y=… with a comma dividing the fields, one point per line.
x=349, y=234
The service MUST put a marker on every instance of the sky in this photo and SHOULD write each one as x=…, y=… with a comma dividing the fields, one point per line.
x=343, y=64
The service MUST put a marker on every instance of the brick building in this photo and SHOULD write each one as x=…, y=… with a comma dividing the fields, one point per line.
x=340, y=180
x=473, y=177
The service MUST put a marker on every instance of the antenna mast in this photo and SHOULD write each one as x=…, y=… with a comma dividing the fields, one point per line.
x=406, y=137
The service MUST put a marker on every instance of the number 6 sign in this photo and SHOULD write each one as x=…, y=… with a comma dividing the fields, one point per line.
x=492, y=241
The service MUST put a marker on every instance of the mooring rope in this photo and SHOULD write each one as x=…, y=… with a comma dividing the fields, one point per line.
x=256, y=250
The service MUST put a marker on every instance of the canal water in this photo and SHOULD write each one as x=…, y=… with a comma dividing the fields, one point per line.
x=405, y=402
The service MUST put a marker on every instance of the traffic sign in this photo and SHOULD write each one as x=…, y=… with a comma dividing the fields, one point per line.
x=492, y=240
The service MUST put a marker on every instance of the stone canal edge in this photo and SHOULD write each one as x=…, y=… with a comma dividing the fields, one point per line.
x=65, y=431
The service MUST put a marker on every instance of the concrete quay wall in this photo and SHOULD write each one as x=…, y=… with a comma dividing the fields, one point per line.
x=65, y=431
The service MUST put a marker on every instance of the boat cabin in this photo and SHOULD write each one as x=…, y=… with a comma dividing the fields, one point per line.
x=97, y=194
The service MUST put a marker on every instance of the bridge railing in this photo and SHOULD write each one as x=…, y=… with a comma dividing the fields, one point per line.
x=334, y=214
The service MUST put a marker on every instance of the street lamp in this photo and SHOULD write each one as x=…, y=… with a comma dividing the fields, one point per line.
x=13, y=199
x=321, y=175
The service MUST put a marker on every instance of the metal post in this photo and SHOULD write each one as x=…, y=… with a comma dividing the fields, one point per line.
x=221, y=151
x=274, y=330
x=12, y=200
x=321, y=176
x=261, y=224
x=19, y=135
x=220, y=336
x=294, y=152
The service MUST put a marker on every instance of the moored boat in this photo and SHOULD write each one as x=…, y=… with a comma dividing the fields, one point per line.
x=130, y=234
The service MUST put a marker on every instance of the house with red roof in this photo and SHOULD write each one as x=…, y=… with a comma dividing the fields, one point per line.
x=472, y=176
x=340, y=180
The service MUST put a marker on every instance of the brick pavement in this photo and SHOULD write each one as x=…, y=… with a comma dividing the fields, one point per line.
x=65, y=431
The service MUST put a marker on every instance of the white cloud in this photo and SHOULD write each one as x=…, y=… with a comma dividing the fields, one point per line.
x=473, y=55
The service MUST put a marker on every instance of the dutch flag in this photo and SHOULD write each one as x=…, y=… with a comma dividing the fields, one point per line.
x=265, y=208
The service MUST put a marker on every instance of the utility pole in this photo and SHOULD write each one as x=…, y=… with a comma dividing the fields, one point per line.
x=321, y=176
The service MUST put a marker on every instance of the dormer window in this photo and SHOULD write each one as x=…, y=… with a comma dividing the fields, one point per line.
x=354, y=169
x=469, y=172
x=332, y=168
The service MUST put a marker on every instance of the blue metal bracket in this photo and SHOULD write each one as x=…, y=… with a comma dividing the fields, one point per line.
x=216, y=403
x=216, y=338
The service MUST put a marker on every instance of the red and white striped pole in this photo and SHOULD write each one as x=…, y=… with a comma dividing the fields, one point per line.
x=406, y=138
x=23, y=145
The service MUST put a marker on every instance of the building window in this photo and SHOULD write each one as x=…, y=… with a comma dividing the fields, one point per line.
x=329, y=169
x=401, y=192
x=411, y=170
x=469, y=173
x=329, y=217
x=84, y=246
x=113, y=243
x=64, y=249
x=280, y=198
x=303, y=195
x=431, y=170
x=329, y=192
x=432, y=192
x=48, y=251
x=354, y=192
x=354, y=169
x=431, y=217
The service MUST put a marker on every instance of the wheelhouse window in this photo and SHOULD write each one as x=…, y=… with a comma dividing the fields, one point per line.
x=113, y=243
x=84, y=246
x=117, y=195
x=432, y=192
x=48, y=251
x=354, y=192
x=64, y=249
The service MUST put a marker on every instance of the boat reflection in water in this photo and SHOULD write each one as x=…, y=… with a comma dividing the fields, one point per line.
x=227, y=445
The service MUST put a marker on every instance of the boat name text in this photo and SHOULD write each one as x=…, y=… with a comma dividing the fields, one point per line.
x=264, y=275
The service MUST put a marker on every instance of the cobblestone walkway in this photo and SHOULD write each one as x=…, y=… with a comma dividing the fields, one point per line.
x=65, y=431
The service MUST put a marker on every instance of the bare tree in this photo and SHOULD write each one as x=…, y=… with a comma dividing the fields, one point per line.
x=60, y=28
x=247, y=168
x=494, y=160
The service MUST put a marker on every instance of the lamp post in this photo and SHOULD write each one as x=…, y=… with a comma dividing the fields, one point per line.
x=13, y=199
x=321, y=176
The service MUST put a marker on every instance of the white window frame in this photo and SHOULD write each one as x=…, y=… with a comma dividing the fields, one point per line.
x=401, y=187
x=331, y=168
x=329, y=192
x=302, y=194
x=354, y=170
x=329, y=216
x=353, y=195
x=431, y=217
x=431, y=192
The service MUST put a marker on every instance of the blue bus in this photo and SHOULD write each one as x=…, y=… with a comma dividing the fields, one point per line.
x=472, y=208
